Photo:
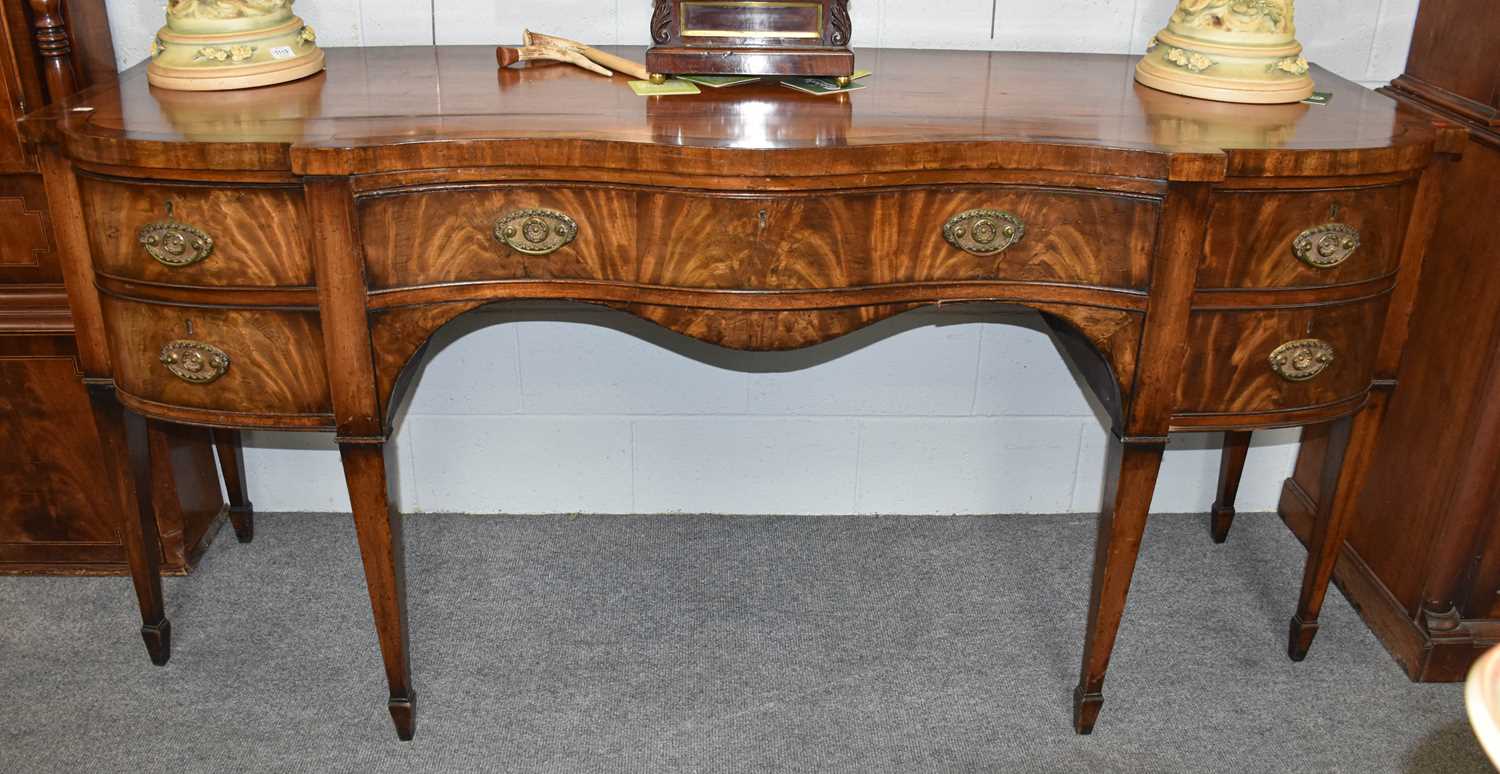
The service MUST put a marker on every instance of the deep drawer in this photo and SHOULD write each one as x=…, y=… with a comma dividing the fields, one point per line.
x=260, y=362
x=1230, y=366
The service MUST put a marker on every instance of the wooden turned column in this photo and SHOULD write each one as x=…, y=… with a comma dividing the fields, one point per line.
x=56, y=50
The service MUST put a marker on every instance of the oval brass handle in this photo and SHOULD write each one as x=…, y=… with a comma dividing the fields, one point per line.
x=194, y=361
x=1303, y=359
x=535, y=232
x=1326, y=246
x=174, y=243
x=983, y=232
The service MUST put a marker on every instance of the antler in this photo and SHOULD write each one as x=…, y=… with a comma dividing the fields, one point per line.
x=539, y=46
x=507, y=56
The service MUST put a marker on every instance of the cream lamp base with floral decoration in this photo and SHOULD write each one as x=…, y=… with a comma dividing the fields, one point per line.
x=1230, y=51
x=215, y=45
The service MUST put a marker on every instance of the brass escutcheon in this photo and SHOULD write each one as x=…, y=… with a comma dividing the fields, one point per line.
x=174, y=243
x=983, y=232
x=1326, y=246
x=1303, y=359
x=535, y=232
x=194, y=361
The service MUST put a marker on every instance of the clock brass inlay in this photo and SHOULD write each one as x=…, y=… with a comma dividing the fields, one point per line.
x=1303, y=359
x=1326, y=246
x=535, y=232
x=984, y=232
x=194, y=361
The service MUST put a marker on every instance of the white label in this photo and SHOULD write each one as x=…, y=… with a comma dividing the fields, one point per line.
x=282, y=52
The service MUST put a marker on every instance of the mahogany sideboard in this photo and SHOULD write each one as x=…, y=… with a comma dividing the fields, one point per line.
x=57, y=511
x=276, y=258
x=1422, y=562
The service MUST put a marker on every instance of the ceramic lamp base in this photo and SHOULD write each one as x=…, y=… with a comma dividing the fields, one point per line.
x=234, y=60
x=1262, y=75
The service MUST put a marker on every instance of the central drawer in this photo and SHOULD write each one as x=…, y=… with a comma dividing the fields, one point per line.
x=782, y=241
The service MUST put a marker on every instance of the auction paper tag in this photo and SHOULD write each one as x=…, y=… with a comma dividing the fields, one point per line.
x=282, y=52
x=820, y=85
x=671, y=87
x=668, y=89
x=1319, y=98
x=719, y=81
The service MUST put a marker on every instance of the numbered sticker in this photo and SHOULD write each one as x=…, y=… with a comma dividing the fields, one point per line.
x=282, y=52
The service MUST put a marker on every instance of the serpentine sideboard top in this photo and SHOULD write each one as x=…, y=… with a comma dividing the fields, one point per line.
x=969, y=109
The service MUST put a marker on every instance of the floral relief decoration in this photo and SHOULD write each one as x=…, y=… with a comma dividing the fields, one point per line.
x=220, y=54
x=1235, y=15
x=1192, y=61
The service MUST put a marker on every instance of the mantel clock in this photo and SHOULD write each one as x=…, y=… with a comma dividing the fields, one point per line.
x=751, y=37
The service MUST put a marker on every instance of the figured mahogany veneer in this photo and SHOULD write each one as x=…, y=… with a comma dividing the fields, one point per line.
x=1158, y=239
x=276, y=376
x=259, y=232
x=790, y=241
x=1226, y=372
x=1252, y=235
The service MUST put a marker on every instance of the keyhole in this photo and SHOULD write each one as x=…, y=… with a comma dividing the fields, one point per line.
x=169, y=210
x=762, y=220
x=1333, y=212
x=190, y=327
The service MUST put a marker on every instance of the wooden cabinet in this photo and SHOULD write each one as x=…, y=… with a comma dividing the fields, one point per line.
x=1422, y=561
x=58, y=513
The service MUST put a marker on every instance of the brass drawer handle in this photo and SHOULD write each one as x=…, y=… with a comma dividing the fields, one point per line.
x=1326, y=246
x=174, y=243
x=194, y=361
x=535, y=232
x=983, y=232
x=1303, y=359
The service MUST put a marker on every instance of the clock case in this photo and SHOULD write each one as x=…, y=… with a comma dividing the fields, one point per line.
x=720, y=37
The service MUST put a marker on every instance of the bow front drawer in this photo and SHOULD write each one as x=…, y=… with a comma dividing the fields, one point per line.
x=218, y=235
x=1287, y=239
x=213, y=362
x=1266, y=361
x=753, y=241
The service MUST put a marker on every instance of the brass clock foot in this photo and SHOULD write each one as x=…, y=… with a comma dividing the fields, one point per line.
x=843, y=80
x=658, y=78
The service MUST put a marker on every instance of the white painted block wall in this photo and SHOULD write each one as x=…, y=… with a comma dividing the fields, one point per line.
x=560, y=409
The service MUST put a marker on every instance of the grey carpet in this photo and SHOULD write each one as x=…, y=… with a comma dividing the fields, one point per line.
x=687, y=643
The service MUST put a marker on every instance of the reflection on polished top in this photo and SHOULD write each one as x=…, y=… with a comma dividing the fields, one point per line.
x=381, y=96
